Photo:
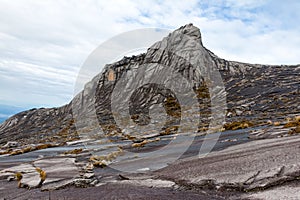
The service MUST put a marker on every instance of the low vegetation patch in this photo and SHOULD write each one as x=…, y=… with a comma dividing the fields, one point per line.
x=238, y=125
x=104, y=160
x=19, y=176
x=143, y=143
x=172, y=107
x=43, y=175
x=202, y=92
x=295, y=130
x=27, y=149
x=294, y=122
x=45, y=146
x=170, y=130
x=74, y=151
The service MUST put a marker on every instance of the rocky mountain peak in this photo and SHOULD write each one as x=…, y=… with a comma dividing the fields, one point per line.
x=188, y=31
x=253, y=92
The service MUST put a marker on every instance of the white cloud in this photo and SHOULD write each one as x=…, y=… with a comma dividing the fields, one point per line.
x=44, y=43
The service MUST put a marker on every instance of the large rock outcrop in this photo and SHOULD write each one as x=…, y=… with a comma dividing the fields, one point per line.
x=253, y=91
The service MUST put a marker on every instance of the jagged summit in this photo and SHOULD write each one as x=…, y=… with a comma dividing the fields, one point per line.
x=190, y=31
x=257, y=92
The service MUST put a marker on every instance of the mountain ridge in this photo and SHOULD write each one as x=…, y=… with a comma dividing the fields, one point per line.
x=254, y=91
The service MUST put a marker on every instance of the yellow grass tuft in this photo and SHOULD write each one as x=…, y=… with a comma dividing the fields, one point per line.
x=43, y=174
x=293, y=122
x=74, y=151
x=104, y=160
x=19, y=176
x=238, y=125
x=144, y=142
x=170, y=130
x=295, y=130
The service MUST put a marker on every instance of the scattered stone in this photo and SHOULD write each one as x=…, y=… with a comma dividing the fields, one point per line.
x=31, y=180
x=11, y=178
x=94, y=182
x=11, y=144
x=82, y=182
x=229, y=114
x=88, y=175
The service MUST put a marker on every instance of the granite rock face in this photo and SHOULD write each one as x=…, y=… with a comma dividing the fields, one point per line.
x=168, y=74
x=250, y=167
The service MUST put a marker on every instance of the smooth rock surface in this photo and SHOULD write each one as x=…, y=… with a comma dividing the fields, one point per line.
x=246, y=167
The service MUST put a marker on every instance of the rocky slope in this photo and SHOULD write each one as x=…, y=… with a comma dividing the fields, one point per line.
x=253, y=92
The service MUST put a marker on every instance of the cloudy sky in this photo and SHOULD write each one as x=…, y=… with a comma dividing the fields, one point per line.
x=44, y=43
